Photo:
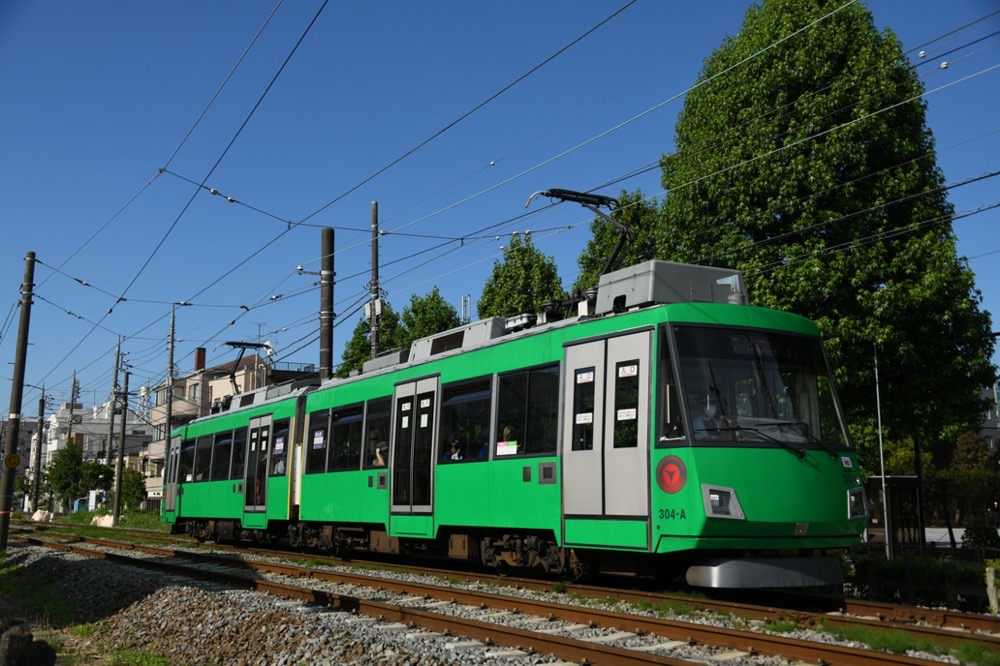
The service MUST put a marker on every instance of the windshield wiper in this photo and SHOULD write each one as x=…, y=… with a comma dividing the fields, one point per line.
x=811, y=438
x=801, y=453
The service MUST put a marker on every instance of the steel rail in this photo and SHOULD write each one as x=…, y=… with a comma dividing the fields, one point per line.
x=748, y=642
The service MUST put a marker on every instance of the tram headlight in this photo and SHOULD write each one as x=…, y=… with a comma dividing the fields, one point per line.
x=719, y=499
x=857, y=504
x=721, y=503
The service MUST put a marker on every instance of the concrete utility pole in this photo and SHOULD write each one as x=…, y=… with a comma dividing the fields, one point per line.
x=375, y=306
x=36, y=462
x=72, y=404
x=111, y=406
x=10, y=459
x=326, y=313
x=120, y=466
x=170, y=377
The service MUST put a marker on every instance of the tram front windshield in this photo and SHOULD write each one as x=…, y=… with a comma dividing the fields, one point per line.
x=754, y=386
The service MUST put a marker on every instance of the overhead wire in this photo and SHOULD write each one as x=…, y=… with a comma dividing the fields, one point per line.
x=471, y=111
x=431, y=249
x=170, y=229
x=213, y=283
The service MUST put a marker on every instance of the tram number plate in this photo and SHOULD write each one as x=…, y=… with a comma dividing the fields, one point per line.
x=672, y=514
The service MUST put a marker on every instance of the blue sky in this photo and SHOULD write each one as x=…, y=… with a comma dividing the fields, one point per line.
x=99, y=97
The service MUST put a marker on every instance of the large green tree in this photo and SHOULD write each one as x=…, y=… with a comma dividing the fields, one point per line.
x=359, y=347
x=425, y=315
x=804, y=159
x=428, y=315
x=524, y=281
x=641, y=217
x=133, y=489
x=65, y=473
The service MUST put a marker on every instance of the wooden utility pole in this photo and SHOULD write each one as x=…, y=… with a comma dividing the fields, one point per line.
x=10, y=459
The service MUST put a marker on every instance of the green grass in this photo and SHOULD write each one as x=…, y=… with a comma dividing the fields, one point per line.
x=83, y=630
x=666, y=607
x=131, y=519
x=977, y=654
x=898, y=641
x=132, y=658
x=780, y=627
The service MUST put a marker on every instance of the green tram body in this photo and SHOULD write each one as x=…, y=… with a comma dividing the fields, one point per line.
x=612, y=473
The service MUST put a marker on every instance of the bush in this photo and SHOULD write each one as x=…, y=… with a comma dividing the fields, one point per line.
x=980, y=535
x=930, y=581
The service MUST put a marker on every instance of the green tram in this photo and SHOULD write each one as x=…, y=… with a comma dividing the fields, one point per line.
x=667, y=428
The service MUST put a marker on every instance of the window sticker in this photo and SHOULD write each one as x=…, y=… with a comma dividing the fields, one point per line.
x=424, y=420
x=279, y=444
x=626, y=414
x=507, y=448
x=584, y=418
x=425, y=403
x=406, y=406
x=628, y=370
x=318, y=439
x=585, y=377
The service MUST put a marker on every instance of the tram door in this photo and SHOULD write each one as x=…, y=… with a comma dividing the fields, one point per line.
x=255, y=472
x=413, y=446
x=606, y=427
x=170, y=475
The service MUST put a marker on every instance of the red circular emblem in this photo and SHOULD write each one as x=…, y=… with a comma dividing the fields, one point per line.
x=671, y=474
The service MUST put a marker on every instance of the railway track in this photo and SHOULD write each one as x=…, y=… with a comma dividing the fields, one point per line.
x=806, y=611
x=584, y=634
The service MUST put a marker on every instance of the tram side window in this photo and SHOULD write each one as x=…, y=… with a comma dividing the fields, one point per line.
x=583, y=409
x=528, y=412
x=220, y=457
x=187, y=461
x=203, y=459
x=316, y=442
x=345, y=438
x=671, y=431
x=465, y=421
x=239, y=453
x=377, y=434
x=626, y=407
x=279, y=449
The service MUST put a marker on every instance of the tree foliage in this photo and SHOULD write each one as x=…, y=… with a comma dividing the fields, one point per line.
x=65, y=473
x=95, y=475
x=424, y=316
x=359, y=348
x=807, y=164
x=133, y=489
x=427, y=315
x=641, y=217
x=70, y=477
x=523, y=282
